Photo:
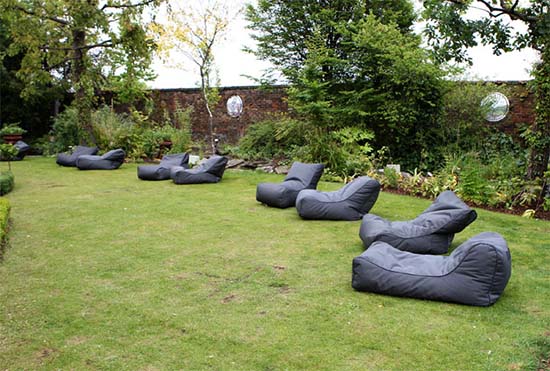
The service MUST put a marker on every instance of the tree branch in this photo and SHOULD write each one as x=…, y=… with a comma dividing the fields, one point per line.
x=126, y=6
x=103, y=44
x=41, y=16
x=496, y=12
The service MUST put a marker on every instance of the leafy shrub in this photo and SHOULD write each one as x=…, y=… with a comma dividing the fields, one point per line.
x=113, y=130
x=7, y=181
x=65, y=132
x=275, y=137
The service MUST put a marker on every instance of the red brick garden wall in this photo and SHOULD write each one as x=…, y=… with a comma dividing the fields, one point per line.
x=261, y=102
x=258, y=103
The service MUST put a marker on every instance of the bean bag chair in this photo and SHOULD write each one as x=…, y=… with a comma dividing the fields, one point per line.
x=282, y=195
x=350, y=202
x=109, y=161
x=162, y=170
x=475, y=273
x=22, y=149
x=208, y=171
x=430, y=233
x=69, y=159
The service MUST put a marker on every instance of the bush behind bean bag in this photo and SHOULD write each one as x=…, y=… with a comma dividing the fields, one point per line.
x=475, y=273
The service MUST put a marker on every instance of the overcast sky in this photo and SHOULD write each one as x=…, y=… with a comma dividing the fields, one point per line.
x=233, y=64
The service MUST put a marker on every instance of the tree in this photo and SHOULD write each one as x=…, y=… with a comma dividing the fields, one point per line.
x=80, y=45
x=283, y=28
x=451, y=32
x=385, y=84
x=195, y=32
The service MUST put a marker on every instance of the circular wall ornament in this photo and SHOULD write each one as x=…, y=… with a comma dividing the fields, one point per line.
x=496, y=105
x=234, y=106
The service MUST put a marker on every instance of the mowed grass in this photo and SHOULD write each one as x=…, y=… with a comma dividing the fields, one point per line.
x=107, y=272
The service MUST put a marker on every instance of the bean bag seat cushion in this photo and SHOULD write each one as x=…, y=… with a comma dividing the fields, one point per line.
x=475, y=273
x=22, y=149
x=208, y=171
x=162, y=170
x=109, y=161
x=69, y=159
x=430, y=233
x=282, y=195
x=350, y=202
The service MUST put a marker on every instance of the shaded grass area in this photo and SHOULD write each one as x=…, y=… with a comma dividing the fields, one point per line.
x=105, y=271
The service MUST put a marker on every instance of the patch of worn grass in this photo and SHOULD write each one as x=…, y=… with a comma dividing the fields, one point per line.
x=106, y=271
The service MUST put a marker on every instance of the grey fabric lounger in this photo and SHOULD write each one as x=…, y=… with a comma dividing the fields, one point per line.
x=162, y=170
x=22, y=149
x=282, y=195
x=209, y=171
x=430, y=233
x=109, y=161
x=69, y=159
x=350, y=202
x=476, y=272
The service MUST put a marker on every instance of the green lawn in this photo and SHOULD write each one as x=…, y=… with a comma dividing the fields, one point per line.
x=108, y=272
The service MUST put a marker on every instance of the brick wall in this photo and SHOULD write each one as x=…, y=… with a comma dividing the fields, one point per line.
x=259, y=103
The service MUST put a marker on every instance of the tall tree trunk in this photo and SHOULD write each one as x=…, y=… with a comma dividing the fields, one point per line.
x=82, y=102
x=539, y=138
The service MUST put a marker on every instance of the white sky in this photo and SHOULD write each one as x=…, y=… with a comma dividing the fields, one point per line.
x=233, y=64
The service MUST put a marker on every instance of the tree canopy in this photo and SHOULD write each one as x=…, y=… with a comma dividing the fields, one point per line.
x=283, y=29
x=83, y=45
x=451, y=32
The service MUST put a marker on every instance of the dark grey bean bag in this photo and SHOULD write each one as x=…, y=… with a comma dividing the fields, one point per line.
x=22, y=149
x=162, y=170
x=476, y=272
x=209, y=171
x=109, y=161
x=430, y=233
x=301, y=176
x=350, y=202
x=69, y=159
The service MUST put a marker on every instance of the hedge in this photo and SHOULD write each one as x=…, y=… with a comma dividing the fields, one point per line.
x=7, y=182
x=4, y=216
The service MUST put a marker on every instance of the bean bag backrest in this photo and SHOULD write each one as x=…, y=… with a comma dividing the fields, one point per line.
x=350, y=202
x=209, y=171
x=282, y=195
x=307, y=175
x=447, y=214
x=476, y=273
x=162, y=170
x=432, y=232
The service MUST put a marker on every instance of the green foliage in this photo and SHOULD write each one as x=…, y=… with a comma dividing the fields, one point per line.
x=12, y=129
x=451, y=32
x=464, y=127
x=113, y=130
x=274, y=137
x=4, y=218
x=66, y=132
x=283, y=30
x=80, y=45
x=7, y=181
x=7, y=151
x=384, y=84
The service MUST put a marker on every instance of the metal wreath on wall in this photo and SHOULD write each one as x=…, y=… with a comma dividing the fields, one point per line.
x=497, y=106
x=235, y=106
